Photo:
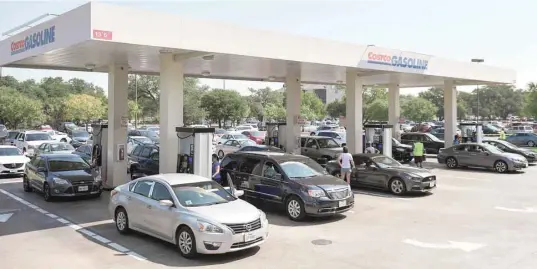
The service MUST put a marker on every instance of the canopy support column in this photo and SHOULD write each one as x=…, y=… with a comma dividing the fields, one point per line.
x=394, y=110
x=450, y=112
x=292, y=107
x=354, y=110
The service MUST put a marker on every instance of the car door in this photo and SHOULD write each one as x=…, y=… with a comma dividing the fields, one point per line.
x=153, y=164
x=407, y=139
x=479, y=157
x=139, y=205
x=245, y=178
x=361, y=173
x=311, y=149
x=161, y=219
x=31, y=170
x=462, y=155
x=40, y=177
x=271, y=181
x=229, y=165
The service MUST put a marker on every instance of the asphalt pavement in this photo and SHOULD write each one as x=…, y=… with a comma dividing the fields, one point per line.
x=474, y=219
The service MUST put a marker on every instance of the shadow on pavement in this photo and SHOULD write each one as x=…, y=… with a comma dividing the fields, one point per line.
x=386, y=194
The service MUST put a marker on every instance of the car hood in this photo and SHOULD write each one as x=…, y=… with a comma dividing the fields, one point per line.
x=325, y=182
x=334, y=150
x=81, y=139
x=512, y=155
x=404, y=146
x=78, y=176
x=234, y=212
x=63, y=152
x=14, y=159
x=527, y=151
x=410, y=170
x=36, y=143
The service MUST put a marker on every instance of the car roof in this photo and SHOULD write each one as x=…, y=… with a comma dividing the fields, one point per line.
x=59, y=156
x=316, y=136
x=6, y=147
x=138, y=136
x=277, y=156
x=370, y=155
x=35, y=132
x=179, y=178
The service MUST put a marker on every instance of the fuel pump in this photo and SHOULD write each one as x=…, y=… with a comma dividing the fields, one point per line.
x=98, y=154
x=469, y=132
x=195, y=150
x=383, y=141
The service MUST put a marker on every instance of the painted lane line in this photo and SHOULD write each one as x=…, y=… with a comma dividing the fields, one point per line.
x=79, y=228
x=119, y=247
x=11, y=181
x=464, y=246
x=518, y=210
x=380, y=195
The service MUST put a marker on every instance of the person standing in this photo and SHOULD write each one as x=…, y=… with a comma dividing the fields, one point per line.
x=502, y=134
x=418, y=150
x=216, y=169
x=345, y=163
x=370, y=149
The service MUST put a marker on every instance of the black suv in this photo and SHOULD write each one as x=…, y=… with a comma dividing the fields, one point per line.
x=430, y=142
x=294, y=182
x=144, y=160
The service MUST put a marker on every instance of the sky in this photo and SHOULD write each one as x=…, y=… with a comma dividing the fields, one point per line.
x=501, y=32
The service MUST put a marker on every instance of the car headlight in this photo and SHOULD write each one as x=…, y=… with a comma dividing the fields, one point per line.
x=400, y=150
x=60, y=181
x=316, y=193
x=98, y=178
x=262, y=215
x=209, y=228
x=411, y=177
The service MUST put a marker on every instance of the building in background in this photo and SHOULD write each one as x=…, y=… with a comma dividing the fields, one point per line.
x=327, y=93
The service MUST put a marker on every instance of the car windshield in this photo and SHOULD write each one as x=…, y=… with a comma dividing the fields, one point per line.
x=385, y=161
x=328, y=143
x=202, y=194
x=153, y=129
x=257, y=133
x=507, y=144
x=432, y=137
x=38, y=137
x=247, y=143
x=302, y=168
x=142, y=140
x=240, y=136
x=148, y=133
x=10, y=152
x=492, y=149
x=61, y=147
x=12, y=135
x=81, y=134
x=67, y=164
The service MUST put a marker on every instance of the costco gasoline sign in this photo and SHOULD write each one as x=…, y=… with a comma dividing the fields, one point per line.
x=37, y=39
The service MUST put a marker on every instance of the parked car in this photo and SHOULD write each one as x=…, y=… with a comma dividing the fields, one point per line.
x=67, y=127
x=144, y=160
x=54, y=148
x=430, y=142
x=520, y=129
x=293, y=182
x=147, y=133
x=505, y=146
x=12, y=161
x=61, y=175
x=85, y=152
x=339, y=136
x=261, y=148
x=192, y=212
x=256, y=136
x=523, y=139
x=58, y=136
x=133, y=141
x=218, y=132
x=231, y=136
x=11, y=138
x=232, y=145
x=28, y=141
x=383, y=172
x=245, y=128
x=79, y=138
x=481, y=155
x=439, y=132
x=401, y=152
x=319, y=148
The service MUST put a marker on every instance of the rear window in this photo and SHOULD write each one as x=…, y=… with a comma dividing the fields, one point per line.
x=67, y=164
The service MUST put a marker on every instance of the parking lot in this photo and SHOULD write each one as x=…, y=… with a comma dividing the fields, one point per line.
x=474, y=219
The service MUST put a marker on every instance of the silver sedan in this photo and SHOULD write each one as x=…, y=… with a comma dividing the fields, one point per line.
x=232, y=145
x=194, y=213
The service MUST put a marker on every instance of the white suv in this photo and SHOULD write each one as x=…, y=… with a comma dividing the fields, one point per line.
x=28, y=141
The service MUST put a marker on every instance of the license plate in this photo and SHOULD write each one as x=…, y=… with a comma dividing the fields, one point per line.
x=432, y=184
x=342, y=203
x=249, y=237
x=13, y=171
x=83, y=188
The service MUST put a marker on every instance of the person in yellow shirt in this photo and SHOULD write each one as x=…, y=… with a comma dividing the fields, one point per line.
x=418, y=150
x=502, y=134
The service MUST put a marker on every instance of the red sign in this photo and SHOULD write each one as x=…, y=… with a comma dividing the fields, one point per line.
x=100, y=34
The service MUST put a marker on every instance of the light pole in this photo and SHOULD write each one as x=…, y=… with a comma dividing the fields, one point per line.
x=136, y=100
x=477, y=90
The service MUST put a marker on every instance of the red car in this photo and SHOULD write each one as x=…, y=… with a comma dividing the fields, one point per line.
x=257, y=136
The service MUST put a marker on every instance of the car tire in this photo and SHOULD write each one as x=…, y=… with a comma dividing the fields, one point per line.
x=186, y=243
x=531, y=144
x=121, y=219
x=220, y=154
x=63, y=140
x=312, y=134
x=26, y=184
x=23, y=151
x=97, y=195
x=451, y=163
x=397, y=186
x=46, y=193
x=501, y=166
x=294, y=207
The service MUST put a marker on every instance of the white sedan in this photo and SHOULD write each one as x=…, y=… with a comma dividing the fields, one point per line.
x=195, y=213
x=58, y=136
x=12, y=161
x=231, y=136
x=232, y=146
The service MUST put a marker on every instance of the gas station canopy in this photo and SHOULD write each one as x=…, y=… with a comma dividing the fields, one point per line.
x=95, y=35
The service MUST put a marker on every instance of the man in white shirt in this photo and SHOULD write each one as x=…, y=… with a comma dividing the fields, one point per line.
x=370, y=149
x=346, y=164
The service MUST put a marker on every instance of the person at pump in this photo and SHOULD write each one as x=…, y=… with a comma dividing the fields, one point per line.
x=457, y=139
x=216, y=169
x=502, y=134
x=370, y=149
x=345, y=163
x=418, y=150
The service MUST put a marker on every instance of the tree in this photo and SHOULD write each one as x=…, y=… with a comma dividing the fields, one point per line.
x=311, y=107
x=223, y=105
x=17, y=109
x=418, y=109
x=377, y=111
x=531, y=100
x=83, y=107
x=259, y=100
x=134, y=110
x=336, y=109
x=436, y=97
x=275, y=112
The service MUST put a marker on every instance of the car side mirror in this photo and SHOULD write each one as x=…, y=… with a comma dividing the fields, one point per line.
x=166, y=203
x=278, y=176
x=238, y=193
x=21, y=139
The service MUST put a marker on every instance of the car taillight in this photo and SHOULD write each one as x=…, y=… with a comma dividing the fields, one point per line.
x=113, y=193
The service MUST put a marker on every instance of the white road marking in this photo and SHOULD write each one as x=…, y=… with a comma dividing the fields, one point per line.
x=518, y=210
x=74, y=226
x=5, y=217
x=11, y=181
x=464, y=246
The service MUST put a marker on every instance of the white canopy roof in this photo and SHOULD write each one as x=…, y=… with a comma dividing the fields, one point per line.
x=94, y=35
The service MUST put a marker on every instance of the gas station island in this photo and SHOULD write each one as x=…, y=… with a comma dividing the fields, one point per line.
x=118, y=40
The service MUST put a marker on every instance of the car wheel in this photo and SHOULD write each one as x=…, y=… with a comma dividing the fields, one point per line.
x=451, y=163
x=397, y=186
x=122, y=221
x=186, y=242
x=97, y=195
x=23, y=151
x=531, y=144
x=295, y=208
x=312, y=134
x=220, y=154
x=63, y=140
x=26, y=184
x=46, y=193
x=500, y=166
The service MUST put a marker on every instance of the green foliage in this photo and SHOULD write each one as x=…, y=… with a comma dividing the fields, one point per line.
x=17, y=109
x=311, y=107
x=418, y=109
x=83, y=107
x=223, y=105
